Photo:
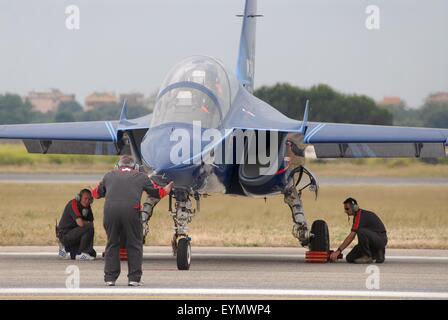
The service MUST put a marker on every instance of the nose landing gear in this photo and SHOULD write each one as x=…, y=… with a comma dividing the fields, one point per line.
x=182, y=214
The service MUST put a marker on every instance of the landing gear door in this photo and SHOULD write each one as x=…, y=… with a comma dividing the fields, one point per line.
x=309, y=182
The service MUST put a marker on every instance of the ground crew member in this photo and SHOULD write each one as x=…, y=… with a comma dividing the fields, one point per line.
x=123, y=188
x=75, y=230
x=372, y=236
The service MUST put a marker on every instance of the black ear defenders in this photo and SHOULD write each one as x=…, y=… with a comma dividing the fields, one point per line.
x=355, y=206
x=78, y=196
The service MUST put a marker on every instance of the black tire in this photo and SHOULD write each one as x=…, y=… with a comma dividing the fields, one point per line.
x=183, y=254
x=320, y=237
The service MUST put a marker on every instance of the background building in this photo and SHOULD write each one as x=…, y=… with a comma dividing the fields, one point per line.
x=390, y=101
x=438, y=97
x=48, y=101
x=98, y=99
x=133, y=99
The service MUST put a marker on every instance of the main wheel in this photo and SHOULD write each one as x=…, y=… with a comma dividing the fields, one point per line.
x=183, y=254
x=320, y=237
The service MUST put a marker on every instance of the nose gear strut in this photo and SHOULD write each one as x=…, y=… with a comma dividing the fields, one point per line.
x=182, y=214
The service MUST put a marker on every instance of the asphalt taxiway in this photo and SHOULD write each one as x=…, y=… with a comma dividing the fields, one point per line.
x=239, y=273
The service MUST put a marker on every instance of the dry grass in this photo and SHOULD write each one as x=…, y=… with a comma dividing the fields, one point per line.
x=14, y=158
x=378, y=168
x=65, y=168
x=416, y=217
x=337, y=168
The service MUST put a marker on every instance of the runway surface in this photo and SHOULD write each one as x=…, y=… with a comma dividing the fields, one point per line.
x=337, y=181
x=238, y=273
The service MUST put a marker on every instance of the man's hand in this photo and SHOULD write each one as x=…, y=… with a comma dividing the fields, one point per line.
x=168, y=187
x=334, y=255
x=80, y=222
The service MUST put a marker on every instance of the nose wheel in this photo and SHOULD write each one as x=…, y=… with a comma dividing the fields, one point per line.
x=183, y=255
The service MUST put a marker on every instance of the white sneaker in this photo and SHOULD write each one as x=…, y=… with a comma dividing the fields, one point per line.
x=84, y=257
x=135, y=283
x=110, y=283
x=62, y=253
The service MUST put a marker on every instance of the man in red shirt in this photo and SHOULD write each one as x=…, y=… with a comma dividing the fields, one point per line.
x=371, y=233
x=122, y=189
x=75, y=230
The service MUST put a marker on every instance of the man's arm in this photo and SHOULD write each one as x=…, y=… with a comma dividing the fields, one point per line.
x=345, y=244
x=100, y=190
x=72, y=216
x=81, y=222
x=76, y=214
x=156, y=191
x=347, y=241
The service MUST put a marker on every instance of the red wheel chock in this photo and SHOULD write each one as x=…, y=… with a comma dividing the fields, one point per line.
x=123, y=254
x=319, y=256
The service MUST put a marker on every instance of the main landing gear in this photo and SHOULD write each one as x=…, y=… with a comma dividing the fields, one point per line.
x=318, y=238
x=293, y=198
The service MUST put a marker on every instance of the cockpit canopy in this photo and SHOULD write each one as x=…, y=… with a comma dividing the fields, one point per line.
x=199, y=88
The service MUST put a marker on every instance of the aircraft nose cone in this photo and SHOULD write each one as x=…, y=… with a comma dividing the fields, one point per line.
x=168, y=158
x=157, y=149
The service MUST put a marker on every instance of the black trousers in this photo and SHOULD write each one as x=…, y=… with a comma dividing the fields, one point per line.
x=122, y=221
x=369, y=243
x=79, y=240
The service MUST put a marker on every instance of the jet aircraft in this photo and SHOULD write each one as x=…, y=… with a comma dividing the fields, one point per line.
x=202, y=95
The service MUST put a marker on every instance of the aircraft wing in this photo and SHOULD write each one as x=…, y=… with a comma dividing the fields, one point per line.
x=333, y=140
x=337, y=140
x=88, y=137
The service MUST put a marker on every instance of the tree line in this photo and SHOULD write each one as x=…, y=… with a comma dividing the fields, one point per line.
x=331, y=106
x=14, y=110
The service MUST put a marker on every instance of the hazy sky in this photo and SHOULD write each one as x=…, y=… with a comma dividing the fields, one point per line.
x=130, y=45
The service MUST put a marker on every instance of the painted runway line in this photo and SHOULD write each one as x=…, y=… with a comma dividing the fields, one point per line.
x=224, y=292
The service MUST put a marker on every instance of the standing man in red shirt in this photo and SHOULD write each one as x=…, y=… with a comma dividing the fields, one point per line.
x=372, y=236
x=123, y=188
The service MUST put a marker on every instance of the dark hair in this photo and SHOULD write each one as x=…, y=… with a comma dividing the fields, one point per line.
x=85, y=191
x=350, y=201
